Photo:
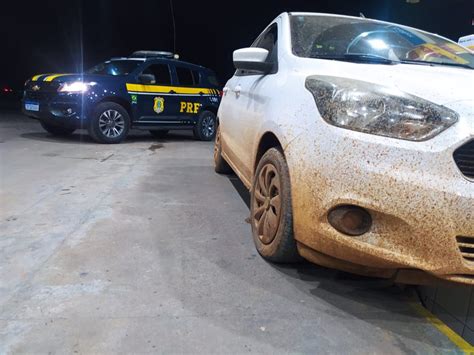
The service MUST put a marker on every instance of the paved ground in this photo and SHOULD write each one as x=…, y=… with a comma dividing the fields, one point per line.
x=141, y=247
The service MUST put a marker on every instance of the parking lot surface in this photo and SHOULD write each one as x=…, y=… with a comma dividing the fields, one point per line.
x=141, y=247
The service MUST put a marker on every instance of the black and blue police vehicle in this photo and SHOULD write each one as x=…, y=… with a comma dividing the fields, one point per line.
x=149, y=90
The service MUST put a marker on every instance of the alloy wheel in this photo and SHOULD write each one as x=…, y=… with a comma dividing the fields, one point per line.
x=267, y=204
x=111, y=123
x=208, y=126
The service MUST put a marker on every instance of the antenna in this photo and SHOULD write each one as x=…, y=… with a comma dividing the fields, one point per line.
x=361, y=15
x=174, y=26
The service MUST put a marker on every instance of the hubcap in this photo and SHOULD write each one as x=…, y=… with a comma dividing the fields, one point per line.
x=208, y=126
x=267, y=204
x=111, y=123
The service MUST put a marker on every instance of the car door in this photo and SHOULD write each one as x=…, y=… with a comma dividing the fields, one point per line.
x=156, y=101
x=248, y=94
x=190, y=93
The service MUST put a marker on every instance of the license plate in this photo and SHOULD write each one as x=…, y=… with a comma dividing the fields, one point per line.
x=32, y=106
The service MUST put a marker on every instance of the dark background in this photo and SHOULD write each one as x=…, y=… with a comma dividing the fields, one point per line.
x=64, y=36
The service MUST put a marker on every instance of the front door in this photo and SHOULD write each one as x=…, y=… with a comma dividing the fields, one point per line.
x=248, y=96
x=157, y=102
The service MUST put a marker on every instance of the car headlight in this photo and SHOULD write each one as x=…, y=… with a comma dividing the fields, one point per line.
x=377, y=109
x=76, y=86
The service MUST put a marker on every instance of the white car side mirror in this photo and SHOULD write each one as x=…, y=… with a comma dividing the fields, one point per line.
x=253, y=59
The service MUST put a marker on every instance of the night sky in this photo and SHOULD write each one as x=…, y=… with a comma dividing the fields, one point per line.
x=64, y=36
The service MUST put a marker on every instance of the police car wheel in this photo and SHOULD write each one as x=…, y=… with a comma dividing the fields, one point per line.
x=205, y=129
x=110, y=123
x=56, y=130
x=159, y=133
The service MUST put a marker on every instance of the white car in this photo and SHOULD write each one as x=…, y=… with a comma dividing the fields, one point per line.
x=356, y=140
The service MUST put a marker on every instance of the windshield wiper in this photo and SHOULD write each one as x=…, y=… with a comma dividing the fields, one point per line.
x=425, y=62
x=356, y=58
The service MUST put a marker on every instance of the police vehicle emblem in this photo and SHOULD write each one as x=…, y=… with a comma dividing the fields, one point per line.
x=35, y=88
x=159, y=104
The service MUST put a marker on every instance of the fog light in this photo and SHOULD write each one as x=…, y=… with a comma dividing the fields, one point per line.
x=350, y=220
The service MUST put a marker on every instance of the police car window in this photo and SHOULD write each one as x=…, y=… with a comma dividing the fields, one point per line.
x=115, y=67
x=213, y=80
x=185, y=76
x=161, y=73
x=196, y=77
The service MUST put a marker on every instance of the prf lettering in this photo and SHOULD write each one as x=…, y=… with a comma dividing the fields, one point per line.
x=189, y=107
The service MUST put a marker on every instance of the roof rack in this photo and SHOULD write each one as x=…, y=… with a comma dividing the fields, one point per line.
x=153, y=54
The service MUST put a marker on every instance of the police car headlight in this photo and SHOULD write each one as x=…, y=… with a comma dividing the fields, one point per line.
x=377, y=109
x=76, y=86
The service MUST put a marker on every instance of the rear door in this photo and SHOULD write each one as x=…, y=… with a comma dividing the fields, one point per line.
x=190, y=91
x=156, y=102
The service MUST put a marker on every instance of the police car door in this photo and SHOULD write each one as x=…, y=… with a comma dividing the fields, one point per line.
x=155, y=98
x=191, y=95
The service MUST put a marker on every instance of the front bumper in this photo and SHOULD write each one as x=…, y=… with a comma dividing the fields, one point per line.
x=68, y=110
x=418, y=199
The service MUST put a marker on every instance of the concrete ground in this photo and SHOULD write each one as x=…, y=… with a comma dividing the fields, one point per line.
x=141, y=247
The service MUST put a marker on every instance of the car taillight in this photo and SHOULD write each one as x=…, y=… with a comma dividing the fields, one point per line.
x=221, y=93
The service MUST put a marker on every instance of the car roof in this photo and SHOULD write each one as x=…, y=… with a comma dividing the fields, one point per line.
x=172, y=61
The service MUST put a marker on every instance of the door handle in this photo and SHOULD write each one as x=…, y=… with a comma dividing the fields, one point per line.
x=201, y=93
x=172, y=92
x=237, y=90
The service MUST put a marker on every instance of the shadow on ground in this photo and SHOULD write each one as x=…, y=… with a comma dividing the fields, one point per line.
x=84, y=138
x=376, y=301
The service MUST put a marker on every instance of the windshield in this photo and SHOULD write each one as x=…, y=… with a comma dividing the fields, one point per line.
x=115, y=67
x=336, y=37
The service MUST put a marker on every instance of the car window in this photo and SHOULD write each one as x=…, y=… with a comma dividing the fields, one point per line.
x=196, y=77
x=115, y=67
x=161, y=73
x=185, y=76
x=212, y=79
x=268, y=41
x=335, y=37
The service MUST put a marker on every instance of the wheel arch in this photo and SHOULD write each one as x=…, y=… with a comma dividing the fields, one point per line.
x=117, y=100
x=210, y=108
x=267, y=141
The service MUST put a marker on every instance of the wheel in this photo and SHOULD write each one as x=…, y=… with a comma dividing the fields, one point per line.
x=56, y=130
x=270, y=209
x=220, y=165
x=205, y=128
x=109, y=123
x=159, y=133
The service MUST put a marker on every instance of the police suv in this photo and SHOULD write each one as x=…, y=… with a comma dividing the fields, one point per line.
x=149, y=90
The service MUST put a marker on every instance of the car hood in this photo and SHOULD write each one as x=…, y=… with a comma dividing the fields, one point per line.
x=62, y=78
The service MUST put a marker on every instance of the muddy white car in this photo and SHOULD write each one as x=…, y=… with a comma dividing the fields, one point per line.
x=356, y=140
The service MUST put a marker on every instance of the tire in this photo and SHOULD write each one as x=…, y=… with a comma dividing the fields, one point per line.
x=159, y=133
x=220, y=165
x=205, y=128
x=109, y=123
x=270, y=200
x=56, y=130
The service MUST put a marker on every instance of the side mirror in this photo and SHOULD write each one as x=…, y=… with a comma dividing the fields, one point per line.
x=147, y=78
x=253, y=59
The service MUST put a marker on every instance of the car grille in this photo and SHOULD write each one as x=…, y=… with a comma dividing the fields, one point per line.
x=466, y=247
x=464, y=158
